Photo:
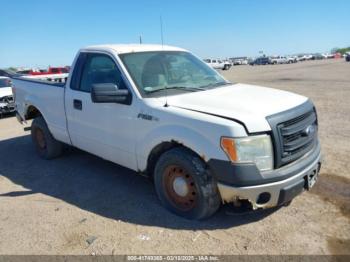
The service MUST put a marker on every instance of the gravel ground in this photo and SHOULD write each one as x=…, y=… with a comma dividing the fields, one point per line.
x=81, y=204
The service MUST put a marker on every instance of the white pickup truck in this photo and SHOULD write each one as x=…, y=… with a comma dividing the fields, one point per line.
x=161, y=111
x=218, y=64
x=278, y=60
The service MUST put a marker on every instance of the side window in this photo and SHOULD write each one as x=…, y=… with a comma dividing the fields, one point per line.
x=100, y=69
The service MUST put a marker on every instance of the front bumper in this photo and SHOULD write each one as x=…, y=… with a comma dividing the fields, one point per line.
x=269, y=194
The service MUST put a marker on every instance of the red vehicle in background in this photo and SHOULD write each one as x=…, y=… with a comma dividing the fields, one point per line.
x=57, y=70
x=49, y=71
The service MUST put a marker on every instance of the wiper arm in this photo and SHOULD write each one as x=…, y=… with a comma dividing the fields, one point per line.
x=190, y=89
x=217, y=84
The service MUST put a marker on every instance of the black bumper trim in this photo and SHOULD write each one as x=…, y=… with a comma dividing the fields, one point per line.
x=290, y=192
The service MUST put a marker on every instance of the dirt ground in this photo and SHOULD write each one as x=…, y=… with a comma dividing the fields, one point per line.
x=81, y=204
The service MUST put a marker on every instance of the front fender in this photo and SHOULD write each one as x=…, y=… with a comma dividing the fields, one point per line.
x=205, y=147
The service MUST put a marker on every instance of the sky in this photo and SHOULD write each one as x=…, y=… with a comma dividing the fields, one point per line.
x=39, y=33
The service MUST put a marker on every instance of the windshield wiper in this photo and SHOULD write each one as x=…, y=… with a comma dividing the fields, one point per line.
x=216, y=84
x=190, y=89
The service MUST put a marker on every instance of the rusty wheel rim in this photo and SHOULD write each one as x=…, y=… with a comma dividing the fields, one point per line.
x=180, y=187
x=40, y=138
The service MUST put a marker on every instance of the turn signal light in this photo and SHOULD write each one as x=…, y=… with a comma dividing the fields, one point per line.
x=228, y=145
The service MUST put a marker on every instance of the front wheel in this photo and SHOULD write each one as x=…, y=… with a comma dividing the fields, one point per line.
x=185, y=186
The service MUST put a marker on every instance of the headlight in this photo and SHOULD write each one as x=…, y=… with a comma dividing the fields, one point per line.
x=251, y=149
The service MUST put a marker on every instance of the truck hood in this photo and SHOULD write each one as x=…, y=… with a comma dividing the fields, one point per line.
x=244, y=103
x=5, y=91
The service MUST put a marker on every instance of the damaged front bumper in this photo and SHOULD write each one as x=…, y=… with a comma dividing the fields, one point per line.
x=276, y=188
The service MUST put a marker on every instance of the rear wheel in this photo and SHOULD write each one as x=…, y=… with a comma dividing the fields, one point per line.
x=185, y=186
x=46, y=145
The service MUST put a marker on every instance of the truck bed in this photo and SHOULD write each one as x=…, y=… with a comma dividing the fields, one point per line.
x=48, y=98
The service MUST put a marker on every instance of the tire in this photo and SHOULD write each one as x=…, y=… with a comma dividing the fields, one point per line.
x=226, y=67
x=199, y=197
x=46, y=145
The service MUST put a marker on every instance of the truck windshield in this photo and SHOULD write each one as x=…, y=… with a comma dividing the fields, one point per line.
x=5, y=83
x=155, y=72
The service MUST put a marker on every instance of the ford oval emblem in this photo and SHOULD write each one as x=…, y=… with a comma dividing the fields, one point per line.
x=309, y=130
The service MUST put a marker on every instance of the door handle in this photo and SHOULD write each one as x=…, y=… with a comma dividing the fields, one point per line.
x=77, y=104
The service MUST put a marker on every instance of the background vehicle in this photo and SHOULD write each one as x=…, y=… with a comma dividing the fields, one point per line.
x=301, y=58
x=57, y=70
x=218, y=64
x=347, y=57
x=292, y=59
x=261, y=61
x=33, y=71
x=6, y=96
x=8, y=73
x=305, y=57
x=239, y=60
x=58, y=78
x=278, y=60
x=49, y=71
x=328, y=56
x=160, y=110
x=308, y=57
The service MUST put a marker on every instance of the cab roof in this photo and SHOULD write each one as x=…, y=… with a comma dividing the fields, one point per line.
x=132, y=48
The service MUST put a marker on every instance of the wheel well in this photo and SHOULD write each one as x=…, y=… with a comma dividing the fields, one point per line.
x=32, y=112
x=157, y=151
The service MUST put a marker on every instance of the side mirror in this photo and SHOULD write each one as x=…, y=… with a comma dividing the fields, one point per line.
x=109, y=93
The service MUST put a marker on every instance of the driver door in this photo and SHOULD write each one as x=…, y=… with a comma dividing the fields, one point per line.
x=103, y=129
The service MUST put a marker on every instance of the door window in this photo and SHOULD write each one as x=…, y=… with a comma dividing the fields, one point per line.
x=100, y=69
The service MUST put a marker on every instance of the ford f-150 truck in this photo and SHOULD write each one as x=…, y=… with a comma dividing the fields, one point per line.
x=161, y=111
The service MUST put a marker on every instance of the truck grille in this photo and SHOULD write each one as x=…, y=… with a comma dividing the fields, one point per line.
x=294, y=133
x=298, y=136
